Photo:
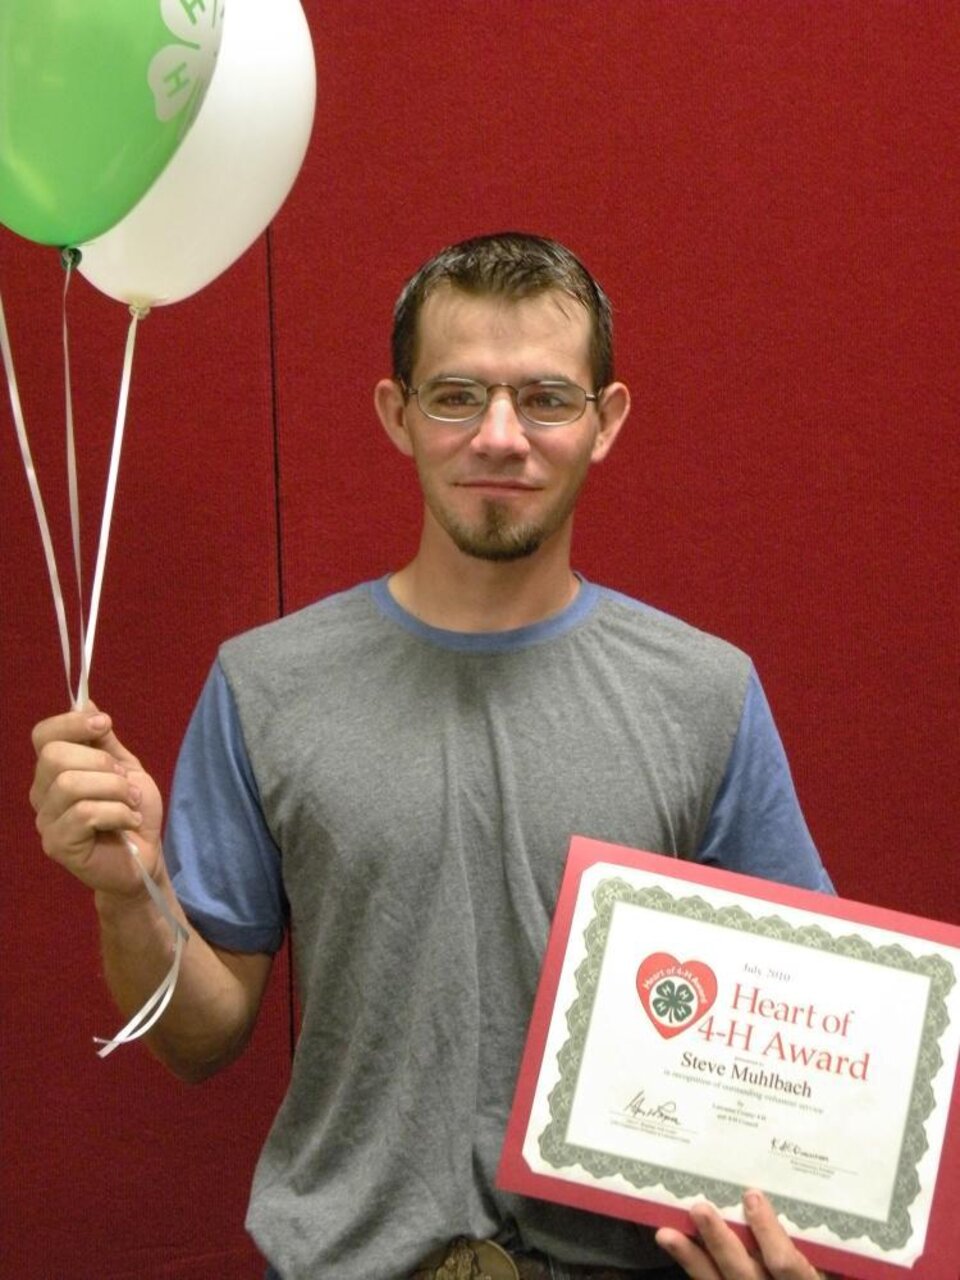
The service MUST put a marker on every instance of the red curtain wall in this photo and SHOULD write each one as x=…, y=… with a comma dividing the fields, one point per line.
x=769, y=193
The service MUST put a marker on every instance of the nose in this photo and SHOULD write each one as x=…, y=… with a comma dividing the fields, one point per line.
x=500, y=429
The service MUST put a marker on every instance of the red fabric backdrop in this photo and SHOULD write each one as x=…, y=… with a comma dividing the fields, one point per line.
x=769, y=193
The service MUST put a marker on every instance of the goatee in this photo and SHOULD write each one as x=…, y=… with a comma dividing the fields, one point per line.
x=497, y=538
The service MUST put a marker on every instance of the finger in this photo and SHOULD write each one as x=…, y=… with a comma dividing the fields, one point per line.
x=71, y=837
x=728, y=1252
x=781, y=1256
x=109, y=742
x=102, y=724
x=71, y=726
x=59, y=758
x=89, y=726
x=687, y=1254
x=72, y=787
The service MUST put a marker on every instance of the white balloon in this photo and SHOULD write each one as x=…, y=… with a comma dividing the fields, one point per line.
x=231, y=173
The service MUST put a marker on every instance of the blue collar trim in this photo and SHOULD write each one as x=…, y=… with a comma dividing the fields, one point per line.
x=579, y=609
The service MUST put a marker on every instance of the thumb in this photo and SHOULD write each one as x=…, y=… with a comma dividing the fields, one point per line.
x=103, y=736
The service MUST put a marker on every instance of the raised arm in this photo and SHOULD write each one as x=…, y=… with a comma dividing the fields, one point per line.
x=88, y=790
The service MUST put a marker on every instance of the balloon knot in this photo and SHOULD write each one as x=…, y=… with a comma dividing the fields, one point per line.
x=70, y=257
x=138, y=312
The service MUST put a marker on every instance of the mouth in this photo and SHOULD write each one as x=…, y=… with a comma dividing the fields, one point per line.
x=498, y=484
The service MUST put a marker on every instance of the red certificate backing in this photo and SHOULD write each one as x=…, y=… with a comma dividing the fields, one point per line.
x=941, y=1256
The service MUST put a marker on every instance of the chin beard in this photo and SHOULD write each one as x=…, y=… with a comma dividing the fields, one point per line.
x=496, y=538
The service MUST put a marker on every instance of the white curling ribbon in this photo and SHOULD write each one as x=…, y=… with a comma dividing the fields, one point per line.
x=150, y=1014
x=137, y=314
x=79, y=697
x=154, y=1007
x=82, y=695
x=33, y=484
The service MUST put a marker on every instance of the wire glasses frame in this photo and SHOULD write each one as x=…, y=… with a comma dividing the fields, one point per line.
x=545, y=403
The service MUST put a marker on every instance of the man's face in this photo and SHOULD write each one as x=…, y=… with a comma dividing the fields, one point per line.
x=498, y=487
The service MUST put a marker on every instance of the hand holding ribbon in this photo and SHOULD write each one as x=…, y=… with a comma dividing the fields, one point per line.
x=90, y=796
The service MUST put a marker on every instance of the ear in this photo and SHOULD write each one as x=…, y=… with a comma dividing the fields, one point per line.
x=612, y=412
x=391, y=406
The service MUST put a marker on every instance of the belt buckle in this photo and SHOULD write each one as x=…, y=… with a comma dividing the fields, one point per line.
x=476, y=1260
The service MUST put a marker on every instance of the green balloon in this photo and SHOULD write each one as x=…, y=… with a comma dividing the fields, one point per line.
x=95, y=97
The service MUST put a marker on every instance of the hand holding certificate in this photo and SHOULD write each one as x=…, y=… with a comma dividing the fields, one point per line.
x=697, y=1033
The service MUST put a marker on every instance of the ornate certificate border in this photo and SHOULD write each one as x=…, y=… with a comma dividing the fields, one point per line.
x=560, y=1153
x=574, y=1173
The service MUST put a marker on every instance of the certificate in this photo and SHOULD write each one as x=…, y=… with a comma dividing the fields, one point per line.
x=697, y=1032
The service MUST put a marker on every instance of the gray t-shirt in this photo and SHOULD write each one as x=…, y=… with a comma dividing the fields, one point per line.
x=403, y=797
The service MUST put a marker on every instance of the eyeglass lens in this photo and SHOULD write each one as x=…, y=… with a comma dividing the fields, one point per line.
x=543, y=403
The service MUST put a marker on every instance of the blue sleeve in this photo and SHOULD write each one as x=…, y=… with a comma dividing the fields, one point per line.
x=756, y=826
x=222, y=859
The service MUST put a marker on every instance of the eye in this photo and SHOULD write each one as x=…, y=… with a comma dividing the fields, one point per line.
x=454, y=396
x=545, y=400
x=549, y=395
x=457, y=396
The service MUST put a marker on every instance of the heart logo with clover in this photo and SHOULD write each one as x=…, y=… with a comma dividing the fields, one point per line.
x=675, y=995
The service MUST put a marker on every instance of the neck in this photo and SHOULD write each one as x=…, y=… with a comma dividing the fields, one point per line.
x=446, y=588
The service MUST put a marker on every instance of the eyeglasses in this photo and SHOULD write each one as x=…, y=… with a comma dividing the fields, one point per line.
x=550, y=403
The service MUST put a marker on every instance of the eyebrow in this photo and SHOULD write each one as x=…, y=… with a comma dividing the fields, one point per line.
x=470, y=377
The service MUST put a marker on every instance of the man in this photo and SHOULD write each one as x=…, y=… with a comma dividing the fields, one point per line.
x=395, y=773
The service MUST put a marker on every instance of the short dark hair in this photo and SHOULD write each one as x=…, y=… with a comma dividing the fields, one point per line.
x=511, y=264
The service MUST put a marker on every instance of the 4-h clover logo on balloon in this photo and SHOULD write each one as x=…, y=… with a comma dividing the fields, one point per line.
x=675, y=995
x=97, y=98
x=179, y=73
